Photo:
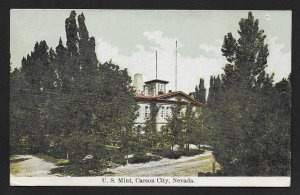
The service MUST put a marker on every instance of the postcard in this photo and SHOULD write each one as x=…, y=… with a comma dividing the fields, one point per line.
x=175, y=98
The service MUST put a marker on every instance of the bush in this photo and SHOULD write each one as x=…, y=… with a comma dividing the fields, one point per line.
x=169, y=154
x=191, y=152
x=205, y=174
x=143, y=159
x=177, y=154
x=218, y=173
x=88, y=168
x=120, y=161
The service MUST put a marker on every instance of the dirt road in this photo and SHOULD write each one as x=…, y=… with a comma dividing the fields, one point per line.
x=184, y=166
x=30, y=166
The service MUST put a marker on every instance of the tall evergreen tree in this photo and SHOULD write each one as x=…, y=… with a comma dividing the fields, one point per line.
x=245, y=110
x=215, y=90
x=151, y=137
x=190, y=126
x=210, y=97
x=173, y=132
x=39, y=75
x=200, y=92
x=72, y=35
x=79, y=106
x=20, y=127
x=88, y=59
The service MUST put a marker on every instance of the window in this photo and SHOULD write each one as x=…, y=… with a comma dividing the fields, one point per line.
x=162, y=111
x=167, y=112
x=146, y=111
x=139, y=130
x=137, y=113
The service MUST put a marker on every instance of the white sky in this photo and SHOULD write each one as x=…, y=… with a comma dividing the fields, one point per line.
x=130, y=39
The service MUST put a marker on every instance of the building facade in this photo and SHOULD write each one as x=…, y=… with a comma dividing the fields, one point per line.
x=155, y=91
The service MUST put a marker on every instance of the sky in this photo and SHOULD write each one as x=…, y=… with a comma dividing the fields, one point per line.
x=130, y=38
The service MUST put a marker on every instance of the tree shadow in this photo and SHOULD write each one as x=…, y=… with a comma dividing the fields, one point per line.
x=18, y=160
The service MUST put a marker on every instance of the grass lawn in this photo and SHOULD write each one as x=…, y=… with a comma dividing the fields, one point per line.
x=14, y=168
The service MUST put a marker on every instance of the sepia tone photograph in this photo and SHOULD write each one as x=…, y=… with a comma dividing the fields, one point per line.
x=150, y=97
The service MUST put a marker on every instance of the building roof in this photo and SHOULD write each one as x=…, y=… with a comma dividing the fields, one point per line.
x=156, y=81
x=163, y=97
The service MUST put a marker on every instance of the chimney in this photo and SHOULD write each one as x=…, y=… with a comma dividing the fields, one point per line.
x=138, y=83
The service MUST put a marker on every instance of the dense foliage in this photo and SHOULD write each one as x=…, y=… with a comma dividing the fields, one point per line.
x=252, y=114
x=200, y=92
x=66, y=104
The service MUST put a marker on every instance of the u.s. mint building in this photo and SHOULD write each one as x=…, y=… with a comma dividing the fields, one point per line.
x=155, y=91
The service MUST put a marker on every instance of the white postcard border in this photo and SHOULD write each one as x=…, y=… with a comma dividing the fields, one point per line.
x=153, y=181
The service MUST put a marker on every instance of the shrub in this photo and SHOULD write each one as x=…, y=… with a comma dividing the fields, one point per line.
x=169, y=154
x=143, y=159
x=177, y=154
x=84, y=168
x=218, y=173
x=192, y=152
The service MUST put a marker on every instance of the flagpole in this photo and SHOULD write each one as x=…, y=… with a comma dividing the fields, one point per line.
x=156, y=64
x=176, y=67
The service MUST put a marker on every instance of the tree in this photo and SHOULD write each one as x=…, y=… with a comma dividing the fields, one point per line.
x=204, y=126
x=76, y=106
x=190, y=125
x=37, y=75
x=247, y=123
x=173, y=132
x=37, y=69
x=281, y=155
x=63, y=70
x=95, y=105
x=72, y=35
x=200, y=92
x=87, y=58
x=215, y=91
x=19, y=126
x=152, y=136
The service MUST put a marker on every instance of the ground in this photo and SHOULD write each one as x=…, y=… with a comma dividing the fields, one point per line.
x=184, y=166
x=29, y=165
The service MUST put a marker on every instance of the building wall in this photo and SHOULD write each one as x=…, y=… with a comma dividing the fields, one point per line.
x=153, y=89
x=160, y=87
x=163, y=114
x=141, y=113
